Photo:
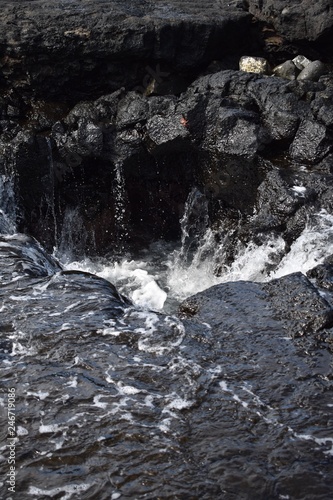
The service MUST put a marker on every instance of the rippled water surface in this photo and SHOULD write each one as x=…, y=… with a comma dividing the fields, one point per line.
x=114, y=400
x=118, y=396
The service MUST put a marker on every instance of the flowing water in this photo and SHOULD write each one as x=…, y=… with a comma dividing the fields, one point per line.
x=118, y=398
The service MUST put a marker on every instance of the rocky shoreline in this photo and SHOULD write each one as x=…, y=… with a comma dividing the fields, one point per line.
x=115, y=111
x=123, y=123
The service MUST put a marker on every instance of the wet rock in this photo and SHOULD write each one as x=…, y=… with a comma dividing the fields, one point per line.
x=306, y=20
x=279, y=105
x=65, y=49
x=290, y=303
x=22, y=257
x=254, y=65
x=312, y=142
x=321, y=107
x=233, y=131
x=323, y=274
x=167, y=135
x=276, y=202
x=299, y=305
x=312, y=71
x=286, y=70
x=227, y=307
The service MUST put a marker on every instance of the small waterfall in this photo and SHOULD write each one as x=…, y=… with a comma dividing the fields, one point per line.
x=194, y=225
x=51, y=197
x=7, y=205
x=73, y=236
x=193, y=268
x=121, y=206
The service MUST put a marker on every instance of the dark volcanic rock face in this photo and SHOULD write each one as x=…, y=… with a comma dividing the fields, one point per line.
x=74, y=49
x=302, y=20
x=101, y=124
x=126, y=162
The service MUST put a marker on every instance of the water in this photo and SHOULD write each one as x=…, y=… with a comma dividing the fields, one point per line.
x=165, y=274
x=119, y=399
x=120, y=207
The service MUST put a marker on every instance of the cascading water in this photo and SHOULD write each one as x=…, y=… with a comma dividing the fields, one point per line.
x=114, y=400
x=165, y=275
x=51, y=197
x=120, y=207
x=73, y=237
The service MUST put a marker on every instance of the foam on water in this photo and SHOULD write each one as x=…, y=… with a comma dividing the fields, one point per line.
x=131, y=277
x=66, y=491
x=254, y=404
x=179, y=273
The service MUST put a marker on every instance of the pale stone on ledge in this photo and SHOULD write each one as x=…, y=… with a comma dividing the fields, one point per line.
x=254, y=65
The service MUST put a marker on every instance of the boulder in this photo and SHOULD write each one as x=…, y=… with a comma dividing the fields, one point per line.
x=290, y=303
x=301, y=62
x=312, y=142
x=313, y=71
x=254, y=65
x=286, y=70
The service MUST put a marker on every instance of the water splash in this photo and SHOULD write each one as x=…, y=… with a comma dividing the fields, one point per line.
x=133, y=278
x=73, y=236
x=168, y=275
x=311, y=248
x=51, y=197
x=252, y=262
x=121, y=207
x=194, y=225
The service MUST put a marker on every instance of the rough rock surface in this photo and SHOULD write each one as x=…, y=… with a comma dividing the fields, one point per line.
x=302, y=20
x=106, y=126
x=290, y=303
x=218, y=136
x=57, y=49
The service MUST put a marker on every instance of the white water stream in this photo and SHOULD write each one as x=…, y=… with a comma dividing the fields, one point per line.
x=164, y=274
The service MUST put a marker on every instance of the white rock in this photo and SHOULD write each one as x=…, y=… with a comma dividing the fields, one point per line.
x=254, y=65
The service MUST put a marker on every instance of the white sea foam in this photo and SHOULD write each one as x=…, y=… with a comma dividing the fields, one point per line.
x=320, y=441
x=40, y=394
x=50, y=429
x=68, y=490
x=176, y=274
x=299, y=190
x=131, y=278
x=99, y=403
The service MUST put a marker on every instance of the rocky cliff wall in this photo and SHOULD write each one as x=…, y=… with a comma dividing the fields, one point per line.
x=112, y=111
